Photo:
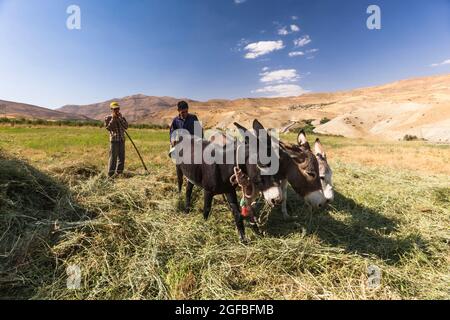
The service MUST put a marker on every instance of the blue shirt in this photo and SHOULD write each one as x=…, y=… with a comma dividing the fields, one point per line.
x=188, y=124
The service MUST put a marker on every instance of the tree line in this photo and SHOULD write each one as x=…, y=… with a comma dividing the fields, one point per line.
x=72, y=123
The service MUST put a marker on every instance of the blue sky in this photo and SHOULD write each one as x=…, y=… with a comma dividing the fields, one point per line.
x=205, y=49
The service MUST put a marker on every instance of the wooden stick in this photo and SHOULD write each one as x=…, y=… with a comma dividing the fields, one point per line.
x=134, y=145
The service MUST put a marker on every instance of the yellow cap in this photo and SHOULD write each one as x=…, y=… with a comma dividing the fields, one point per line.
x=115, y=105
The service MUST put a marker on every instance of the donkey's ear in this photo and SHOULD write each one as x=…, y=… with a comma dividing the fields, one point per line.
x=318, y=148
x=241, y=128
x=245, y=133
x=301, y=138
x=257, y=126
x=260, y=131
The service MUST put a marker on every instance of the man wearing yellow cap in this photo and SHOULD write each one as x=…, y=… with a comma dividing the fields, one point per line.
x=116, y=124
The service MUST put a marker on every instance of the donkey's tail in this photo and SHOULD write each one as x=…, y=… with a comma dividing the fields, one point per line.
x=180, y=179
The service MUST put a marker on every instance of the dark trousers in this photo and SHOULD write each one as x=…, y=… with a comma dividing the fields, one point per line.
x=116, y=158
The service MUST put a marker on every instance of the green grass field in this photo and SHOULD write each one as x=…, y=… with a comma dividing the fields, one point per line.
x=132, y=240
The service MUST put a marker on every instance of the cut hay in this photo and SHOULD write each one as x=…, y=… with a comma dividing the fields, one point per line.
x=131, y=239
x=32, y=208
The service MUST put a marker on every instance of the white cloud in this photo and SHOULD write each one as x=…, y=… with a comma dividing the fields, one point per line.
x=282, y=90
x=443, y=63
x=303, y=41
x=312, y=50
x=261, y=48
x=239, y=1
x=265, y=69
x=283, y=75
x=294, y=18
x=283, y=31
x=296, y=54
x=295, y=28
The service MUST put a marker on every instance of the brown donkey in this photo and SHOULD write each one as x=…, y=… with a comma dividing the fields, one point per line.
x=299, y=168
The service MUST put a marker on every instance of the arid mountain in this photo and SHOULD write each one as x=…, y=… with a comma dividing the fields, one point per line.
x=418, y=107
x=10, y=109
x=137, y=109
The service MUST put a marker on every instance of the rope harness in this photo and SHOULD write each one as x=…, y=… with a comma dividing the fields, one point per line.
x=240, y=179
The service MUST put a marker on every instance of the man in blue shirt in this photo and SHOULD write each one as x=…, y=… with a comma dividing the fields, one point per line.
x=186, y=121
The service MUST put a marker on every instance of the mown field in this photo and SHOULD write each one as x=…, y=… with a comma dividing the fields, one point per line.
x=131, y=239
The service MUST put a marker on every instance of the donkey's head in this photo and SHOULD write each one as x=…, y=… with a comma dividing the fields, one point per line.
x=302, y=171
x=325, y=172
x=260, y=151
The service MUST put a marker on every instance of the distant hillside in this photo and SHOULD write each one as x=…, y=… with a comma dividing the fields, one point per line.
x=137, y=108
x=21, y=110
x=418, y=107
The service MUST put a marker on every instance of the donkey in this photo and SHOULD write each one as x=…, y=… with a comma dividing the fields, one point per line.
x=308, y=166
x=299, y=168
x=325, y=172
x=214, y=178
x=301, y=164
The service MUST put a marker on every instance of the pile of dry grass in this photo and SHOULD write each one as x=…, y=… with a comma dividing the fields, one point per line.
x=33, y=206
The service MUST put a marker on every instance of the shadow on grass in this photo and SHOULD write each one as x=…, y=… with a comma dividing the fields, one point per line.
x=34, y=209
x=362, y=230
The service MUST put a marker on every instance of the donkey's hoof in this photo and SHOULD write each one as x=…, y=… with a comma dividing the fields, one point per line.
x=257, y=231
x=244, y=241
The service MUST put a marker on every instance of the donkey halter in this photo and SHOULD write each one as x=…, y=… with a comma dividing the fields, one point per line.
x=242, y=180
